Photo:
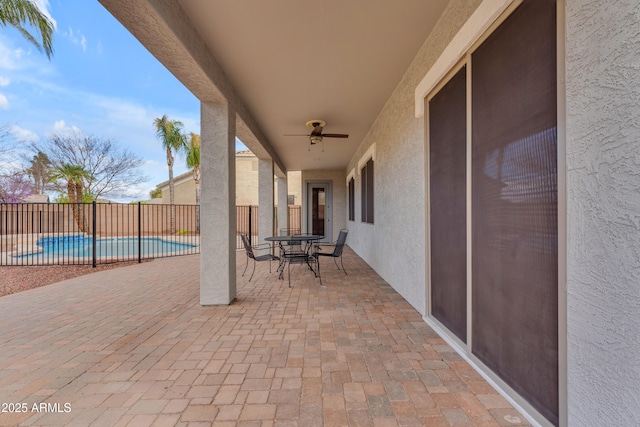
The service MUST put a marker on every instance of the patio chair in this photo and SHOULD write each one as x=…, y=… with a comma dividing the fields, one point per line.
x=251, y=255
x=294, y=252
x=338, y=247
x=293, y=245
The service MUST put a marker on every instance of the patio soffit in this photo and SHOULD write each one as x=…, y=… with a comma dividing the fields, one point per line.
x=287, y=62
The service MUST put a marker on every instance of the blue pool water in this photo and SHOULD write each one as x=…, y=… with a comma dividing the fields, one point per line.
x=79, y=246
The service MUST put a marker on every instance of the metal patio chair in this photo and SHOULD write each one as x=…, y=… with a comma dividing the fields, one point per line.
x=292, y=245
x=294, y=252
x=249, y=249
x=338, y=247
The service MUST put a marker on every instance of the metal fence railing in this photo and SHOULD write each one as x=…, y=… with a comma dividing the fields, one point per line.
x=247, y=222
x=99, y=233
x=95, y=233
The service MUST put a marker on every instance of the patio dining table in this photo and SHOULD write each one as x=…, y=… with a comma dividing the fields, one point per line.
x=289, y=255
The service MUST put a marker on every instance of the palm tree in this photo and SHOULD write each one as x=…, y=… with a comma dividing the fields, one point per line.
x=40, y=171
x=16, y=13
x=170, y=134
x=74, y=175
x=192, y=154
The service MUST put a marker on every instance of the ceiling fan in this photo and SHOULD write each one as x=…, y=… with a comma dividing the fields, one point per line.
x=316, y=134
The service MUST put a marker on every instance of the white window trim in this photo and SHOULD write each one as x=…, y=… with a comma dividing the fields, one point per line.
x=471, y=31
x=351, y=174
x=370, y=154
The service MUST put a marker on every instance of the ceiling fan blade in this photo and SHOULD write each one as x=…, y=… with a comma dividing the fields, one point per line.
x=317, y=131
x=296, y=134
x=335, y=135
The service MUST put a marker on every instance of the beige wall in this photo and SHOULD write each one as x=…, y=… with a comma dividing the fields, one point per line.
x=246, y=184
x=246, y=180
x=294, y=186
x=184, y=191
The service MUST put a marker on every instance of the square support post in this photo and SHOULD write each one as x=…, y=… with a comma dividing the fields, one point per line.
x=218, y=212
x=265, y=199
x=283, y=207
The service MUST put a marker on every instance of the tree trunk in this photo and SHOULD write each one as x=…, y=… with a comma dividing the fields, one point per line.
x=81, y=213
x=196, y=178
x=172, y=207
x=71, y=192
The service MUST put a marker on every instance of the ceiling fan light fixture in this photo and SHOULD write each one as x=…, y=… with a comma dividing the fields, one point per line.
x=313, y=123
x=315, y=139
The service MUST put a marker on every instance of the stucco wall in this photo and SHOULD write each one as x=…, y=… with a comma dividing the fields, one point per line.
x=246, y=180
x=294, y=186
x=399, y=227
x=603, y=162
x=184, y=191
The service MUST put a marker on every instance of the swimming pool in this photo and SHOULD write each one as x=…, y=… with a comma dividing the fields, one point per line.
x=80, y=246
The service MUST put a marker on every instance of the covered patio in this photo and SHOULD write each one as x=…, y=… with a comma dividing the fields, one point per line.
x=133, y=347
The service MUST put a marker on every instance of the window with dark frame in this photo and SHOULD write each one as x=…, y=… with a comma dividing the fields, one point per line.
x=366, y=195
x=352, y=200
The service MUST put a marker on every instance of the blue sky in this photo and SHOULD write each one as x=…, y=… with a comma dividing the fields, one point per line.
x=100, y=80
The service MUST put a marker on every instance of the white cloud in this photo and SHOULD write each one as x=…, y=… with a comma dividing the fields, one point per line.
x=23, y=135
x=10, y=166
x=119, y=111
x=43, y=5
x=4, y=81
x=78, y=39
x=62, y=128
x=11, y=59
x=4, y=102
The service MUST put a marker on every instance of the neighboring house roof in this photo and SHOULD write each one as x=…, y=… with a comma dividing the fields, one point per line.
x=37, y=198
x=177, y=179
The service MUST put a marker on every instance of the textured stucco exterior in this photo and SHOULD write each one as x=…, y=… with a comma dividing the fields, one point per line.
x=265, y=199
x=246, y=180
x=184, y=190
x=218, y=213
x=603, y=218
x=395, y=244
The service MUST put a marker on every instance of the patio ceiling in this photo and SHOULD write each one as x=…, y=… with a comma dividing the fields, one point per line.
x=290, y=61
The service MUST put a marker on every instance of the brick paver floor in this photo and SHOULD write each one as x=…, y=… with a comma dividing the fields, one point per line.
x=133, y=347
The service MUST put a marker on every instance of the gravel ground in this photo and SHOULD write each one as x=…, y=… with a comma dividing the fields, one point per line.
x=21, y=278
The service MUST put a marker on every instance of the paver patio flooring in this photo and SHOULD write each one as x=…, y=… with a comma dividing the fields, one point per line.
x=133, y=347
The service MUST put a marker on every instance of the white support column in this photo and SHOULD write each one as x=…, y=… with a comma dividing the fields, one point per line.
x=217, y=212
x=283, y=208
x=265, y=199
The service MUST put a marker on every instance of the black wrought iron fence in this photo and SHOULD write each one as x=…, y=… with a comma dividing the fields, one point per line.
x=95, y=233
x=99, y=233
x=295, y=217
x=247, y=222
